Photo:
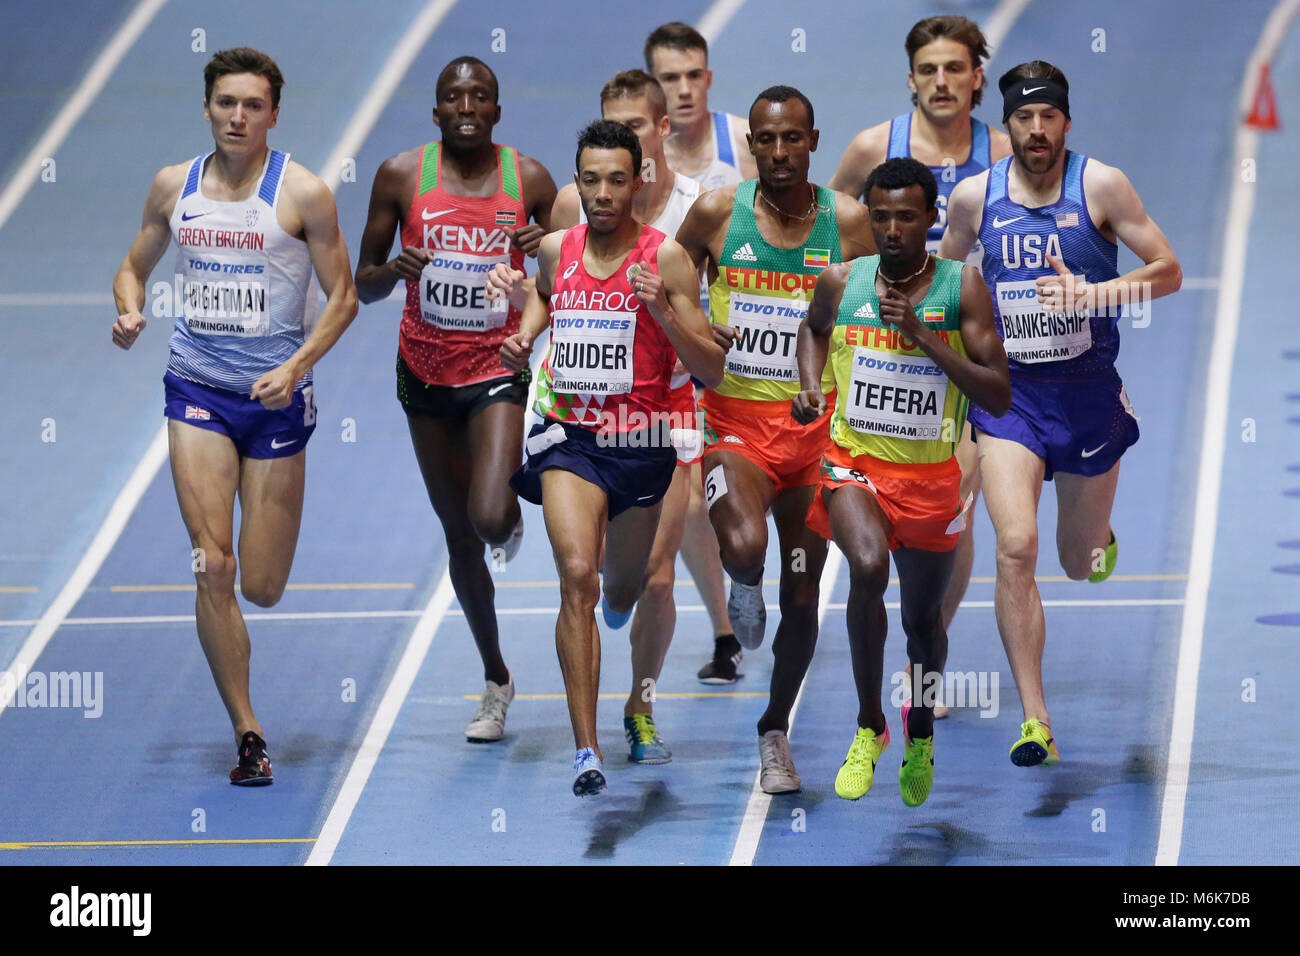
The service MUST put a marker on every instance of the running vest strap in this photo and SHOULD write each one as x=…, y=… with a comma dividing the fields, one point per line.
x=450, y=334
x=723, y=169
x=242, y=286
x=947, y=177
x=894, y=402
x=609, y=361
x=763, y=292
x=1017, y=241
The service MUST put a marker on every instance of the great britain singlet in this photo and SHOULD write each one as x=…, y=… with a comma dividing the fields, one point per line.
x=1017, y=240
x=609, y=361
x=947, y=177
x=763, y=291
x=451, y=334
x=243, y=283
x=724, y=169
x=893, y=401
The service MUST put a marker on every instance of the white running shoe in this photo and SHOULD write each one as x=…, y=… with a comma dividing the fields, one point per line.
x=489, y=723
x=513, y=543
x=778, y=775
x=747, y=613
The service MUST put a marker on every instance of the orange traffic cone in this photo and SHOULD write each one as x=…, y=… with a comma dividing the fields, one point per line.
x=1263, y=111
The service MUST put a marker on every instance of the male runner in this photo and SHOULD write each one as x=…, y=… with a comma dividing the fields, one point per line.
x=709, y=147
x=460, y=205
x=623, y=302
x=634, y=99
x=249, y=225
x=910, y=336
x=1048, y=220
x=765, y=242
x=945, y=57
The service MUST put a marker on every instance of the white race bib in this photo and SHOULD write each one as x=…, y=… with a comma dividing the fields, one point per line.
x=226, y=296
x=767, y=330
x=892, y=394
x=453, y=292
x=1030, y=334
x=592, y=352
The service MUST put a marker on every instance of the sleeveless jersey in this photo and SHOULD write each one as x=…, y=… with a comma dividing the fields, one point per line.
x=609, y=361
x=894, y=402
x=900, y=144
x=763, y=291
x=242, y=283
x=1017, y=241
x=451, y=334
x=725, y=168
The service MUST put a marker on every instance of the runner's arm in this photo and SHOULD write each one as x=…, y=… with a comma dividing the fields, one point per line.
x=814, y=342
x=1123, y=211
x=517, y=348
x=146, y=249
x=564, y=214
x=683, y=320
x=863, y=154
x=539, y=191
x=854, y=219
x=376, y=275
x=740, y=146
x=965, y=212
x=702, y=223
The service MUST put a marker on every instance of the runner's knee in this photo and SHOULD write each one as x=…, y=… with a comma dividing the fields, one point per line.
x=261, y=589
x=214, y=569
x=742, y=545
x=1018, y=549
x=579, y=584
x=869, y=574
x=493, y=521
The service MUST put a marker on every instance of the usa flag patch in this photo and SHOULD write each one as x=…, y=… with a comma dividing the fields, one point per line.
x=1064, y=219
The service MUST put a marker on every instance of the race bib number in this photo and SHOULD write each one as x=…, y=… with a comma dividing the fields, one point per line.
x=453, y=292
x=852, y=474
x=767, y=330
x=225, y=296
x=592, y=352
x=892, y=394
x=1030, y=334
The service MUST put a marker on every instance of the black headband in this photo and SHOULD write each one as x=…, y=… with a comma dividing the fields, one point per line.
x=1036, y=90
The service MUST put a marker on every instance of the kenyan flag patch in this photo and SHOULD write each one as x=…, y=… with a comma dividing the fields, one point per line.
x=506, y=217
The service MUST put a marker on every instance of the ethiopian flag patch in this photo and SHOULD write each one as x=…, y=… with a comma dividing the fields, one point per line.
x=932, y=314
x=816, y=258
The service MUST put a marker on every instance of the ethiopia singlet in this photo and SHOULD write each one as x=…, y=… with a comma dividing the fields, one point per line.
x=1017, y=240
x=763, y=291
x=609, y=361
x=894, y=402
x=450, y=333
x=243, y=283
x=947, y=177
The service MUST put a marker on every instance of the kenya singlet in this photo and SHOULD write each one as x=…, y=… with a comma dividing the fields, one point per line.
x=450, y=334
x=244, y=283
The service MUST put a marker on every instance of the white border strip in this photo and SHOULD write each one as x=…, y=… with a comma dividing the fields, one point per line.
x=88, y=567
x=1214, y=436
x=89, y=88
x=717, y=17
x=382, y=724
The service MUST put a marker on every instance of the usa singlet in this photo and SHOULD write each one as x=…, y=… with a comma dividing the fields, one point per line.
x=947, y=177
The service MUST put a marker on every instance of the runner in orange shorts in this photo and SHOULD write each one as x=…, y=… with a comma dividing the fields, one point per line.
x=910, y=336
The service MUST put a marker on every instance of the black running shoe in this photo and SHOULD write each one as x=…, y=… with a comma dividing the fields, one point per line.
x=724, y=668
x=254, y=768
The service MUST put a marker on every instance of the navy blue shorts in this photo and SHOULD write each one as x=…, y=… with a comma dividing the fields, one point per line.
x=1079, y=427
x=630, y=477
x=256, y=431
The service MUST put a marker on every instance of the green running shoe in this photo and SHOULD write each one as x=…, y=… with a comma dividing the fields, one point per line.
x=1035, y=746
x=1112, y=552
x=859, y=769
x=647, y=746
x=916, y=775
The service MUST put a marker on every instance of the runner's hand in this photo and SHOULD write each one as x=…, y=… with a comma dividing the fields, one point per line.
x=275, y=389
x=502, y=281
x=896, y=309
x=515, y=351
x=1063, y=292
x=411, y=262
x=527, y=238
x=808, y=406
x=127, y=329
x=724, y=335
x=649, y=288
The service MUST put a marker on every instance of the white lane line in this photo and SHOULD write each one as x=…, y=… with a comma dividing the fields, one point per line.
x=751, y=825
x=717, y=17
x=89, y=88
x=382, y=724
x=1213, y=438
x=381, y=91
x=273, y=616
x=998, y=25
x=90, y=562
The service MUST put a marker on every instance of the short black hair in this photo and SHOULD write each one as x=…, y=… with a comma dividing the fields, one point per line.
x=675, y=36
x=899, y=173
x=606, y=134
x=1033, y=70
x=781, y=94
x=450, y=68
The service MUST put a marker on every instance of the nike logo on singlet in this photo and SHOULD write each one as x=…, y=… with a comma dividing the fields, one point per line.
x=187, y=218
x=998, y=224
x=434, y=213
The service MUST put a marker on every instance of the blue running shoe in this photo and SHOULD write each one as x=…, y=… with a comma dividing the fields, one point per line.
x=647, y=746
x=613, y=619
x=590, y=779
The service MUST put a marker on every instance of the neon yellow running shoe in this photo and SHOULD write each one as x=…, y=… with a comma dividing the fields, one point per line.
x=916, y=774
x=859, y=769
x=1035, y=746
x=1112, y=552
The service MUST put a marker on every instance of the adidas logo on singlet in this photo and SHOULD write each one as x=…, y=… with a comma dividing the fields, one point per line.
x=744, y=254
x=866, y=312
